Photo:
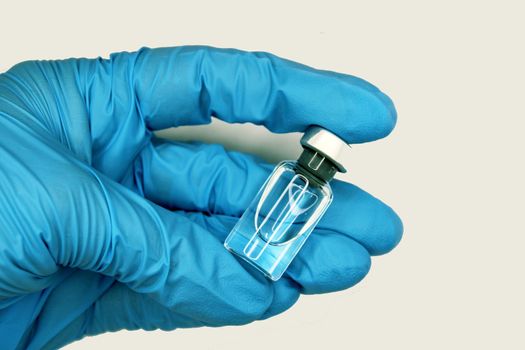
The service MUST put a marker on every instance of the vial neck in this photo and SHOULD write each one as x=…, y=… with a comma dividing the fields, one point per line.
x=315, y=166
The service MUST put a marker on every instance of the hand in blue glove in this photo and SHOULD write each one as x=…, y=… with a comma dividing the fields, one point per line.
x=105, y=227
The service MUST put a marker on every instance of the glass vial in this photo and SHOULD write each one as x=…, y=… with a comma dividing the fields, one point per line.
x=288, y=206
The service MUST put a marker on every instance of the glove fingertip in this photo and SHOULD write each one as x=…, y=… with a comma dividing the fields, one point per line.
x=329, y=262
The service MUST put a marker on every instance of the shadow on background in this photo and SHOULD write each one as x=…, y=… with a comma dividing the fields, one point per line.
x=248, y=138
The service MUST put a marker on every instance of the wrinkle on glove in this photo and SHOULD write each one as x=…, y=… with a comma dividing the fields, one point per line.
x=105, y=227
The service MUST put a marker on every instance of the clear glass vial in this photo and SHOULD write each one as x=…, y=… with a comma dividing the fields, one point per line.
x=289, y=205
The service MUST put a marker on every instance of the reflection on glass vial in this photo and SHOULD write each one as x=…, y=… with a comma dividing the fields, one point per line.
x=280, y=218
x=289, y=205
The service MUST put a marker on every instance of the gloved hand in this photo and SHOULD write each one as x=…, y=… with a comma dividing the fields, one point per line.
x=104, y=226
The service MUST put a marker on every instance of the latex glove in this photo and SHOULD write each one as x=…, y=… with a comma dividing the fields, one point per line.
x=104, y=227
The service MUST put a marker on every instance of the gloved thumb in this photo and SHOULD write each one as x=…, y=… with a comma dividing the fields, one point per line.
x=64, y=213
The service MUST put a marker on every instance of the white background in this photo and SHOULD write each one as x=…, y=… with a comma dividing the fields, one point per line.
x=452, y=169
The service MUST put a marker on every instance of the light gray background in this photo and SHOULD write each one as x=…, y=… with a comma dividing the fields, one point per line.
x=453, y=168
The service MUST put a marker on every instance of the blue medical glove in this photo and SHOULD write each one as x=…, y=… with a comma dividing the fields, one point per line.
x=105, y=227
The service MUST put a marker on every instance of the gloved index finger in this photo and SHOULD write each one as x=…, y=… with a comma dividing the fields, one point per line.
x=188, y=85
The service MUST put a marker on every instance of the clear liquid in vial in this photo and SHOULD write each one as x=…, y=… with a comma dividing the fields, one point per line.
x=279, y=220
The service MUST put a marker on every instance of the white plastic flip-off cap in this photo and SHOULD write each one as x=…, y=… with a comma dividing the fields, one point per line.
x=326, y=143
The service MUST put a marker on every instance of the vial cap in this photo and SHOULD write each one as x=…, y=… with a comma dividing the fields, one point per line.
x=326, y=143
